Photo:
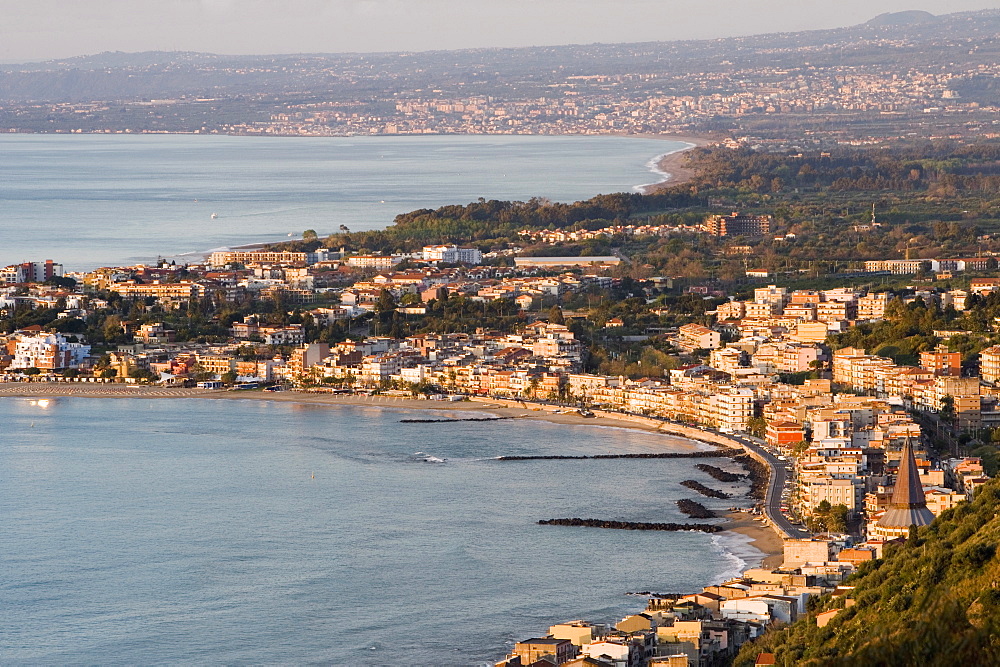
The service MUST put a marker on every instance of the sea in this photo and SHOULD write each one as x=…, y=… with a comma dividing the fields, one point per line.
x=193, y=531
x=201, y=531
x=98, y=200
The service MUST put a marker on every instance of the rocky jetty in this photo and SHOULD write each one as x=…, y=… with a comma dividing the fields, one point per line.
x=720, y=453
x=758, y=474
x=704, y=490
x=695, y=510
x=630, y=525
x=719, y=473
x=440, y=421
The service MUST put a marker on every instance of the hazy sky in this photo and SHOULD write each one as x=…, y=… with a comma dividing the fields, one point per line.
x=44, y=29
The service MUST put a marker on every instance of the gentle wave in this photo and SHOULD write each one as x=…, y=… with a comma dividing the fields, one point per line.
x=738, y=552
x=654, y=167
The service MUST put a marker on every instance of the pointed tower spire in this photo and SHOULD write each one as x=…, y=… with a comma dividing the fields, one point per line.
x=908, y=506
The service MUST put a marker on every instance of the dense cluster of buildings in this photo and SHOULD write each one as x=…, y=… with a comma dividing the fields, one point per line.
x=566, y=235
x=706, y=628
x=853, y=437
x=846, y=445
x=621, y=103
x=703, y=628
x=731, y=225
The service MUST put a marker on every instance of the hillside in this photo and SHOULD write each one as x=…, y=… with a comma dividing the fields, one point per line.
x=910, y=38
x=932, y=601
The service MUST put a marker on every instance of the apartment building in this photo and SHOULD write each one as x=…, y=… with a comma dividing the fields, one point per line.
x=451, y=254
x=855, y=369
x=737, y=224
x=872, y=306
x=897, y=266
x=374, y=261
x=226, y=257
x=728, y=408
x=847, y=491
x=964, y=393
x=695, y=336
x=31, y=272
x=46, y=351
x=989, y=364
x=942, y=362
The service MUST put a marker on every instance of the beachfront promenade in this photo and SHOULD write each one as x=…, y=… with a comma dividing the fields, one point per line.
x=776, y=482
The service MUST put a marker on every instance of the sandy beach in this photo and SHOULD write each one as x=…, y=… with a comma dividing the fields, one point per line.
x=673, y=166
x=763, y=537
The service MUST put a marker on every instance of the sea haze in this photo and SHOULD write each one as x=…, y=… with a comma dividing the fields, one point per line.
x=93, y=200
x=197, y=530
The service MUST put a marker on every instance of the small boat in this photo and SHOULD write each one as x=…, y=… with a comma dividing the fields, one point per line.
x=214, y=216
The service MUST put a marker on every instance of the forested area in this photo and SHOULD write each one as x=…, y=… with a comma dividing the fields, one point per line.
x=930, y=601
x=936, y=200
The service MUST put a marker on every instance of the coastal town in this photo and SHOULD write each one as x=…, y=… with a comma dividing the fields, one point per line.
x=896, y=99
x=745, y=415
x=732, y=86
x=849, y=442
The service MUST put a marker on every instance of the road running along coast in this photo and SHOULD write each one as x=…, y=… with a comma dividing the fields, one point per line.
x=777, y=469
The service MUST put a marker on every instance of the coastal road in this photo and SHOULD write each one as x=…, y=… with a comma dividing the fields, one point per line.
x=776, y=480
x=772, y=497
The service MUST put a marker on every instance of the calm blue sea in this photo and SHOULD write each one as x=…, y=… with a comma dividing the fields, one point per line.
x=93, y=200
x=205, y=531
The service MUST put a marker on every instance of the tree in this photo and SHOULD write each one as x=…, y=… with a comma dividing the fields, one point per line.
x=385, y=302
x=310, y=235
x=757, y=427
x=947, y=411
x=229, y=377
x=112, y=329
x=143, y=374
x=109, y=373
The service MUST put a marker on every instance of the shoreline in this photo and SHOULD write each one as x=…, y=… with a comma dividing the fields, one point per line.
x=745, y=541
x=760, y=536
x=670, y=168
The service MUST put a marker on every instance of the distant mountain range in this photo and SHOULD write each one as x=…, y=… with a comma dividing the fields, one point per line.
x=911, y=17
x=913, y=37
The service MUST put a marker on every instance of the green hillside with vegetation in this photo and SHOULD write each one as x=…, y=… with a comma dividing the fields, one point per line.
x=934, y=600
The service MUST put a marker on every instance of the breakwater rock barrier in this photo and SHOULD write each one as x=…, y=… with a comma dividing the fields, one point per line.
x=695, y=510
x=720, y=453
x=719, y=473
x=758, y=473
x=704, y=490
x=630, y=525
x=465, y=419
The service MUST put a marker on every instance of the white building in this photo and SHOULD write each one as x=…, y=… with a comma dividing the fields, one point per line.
x=31, y=272
x=451, y=254
x=48, y=352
